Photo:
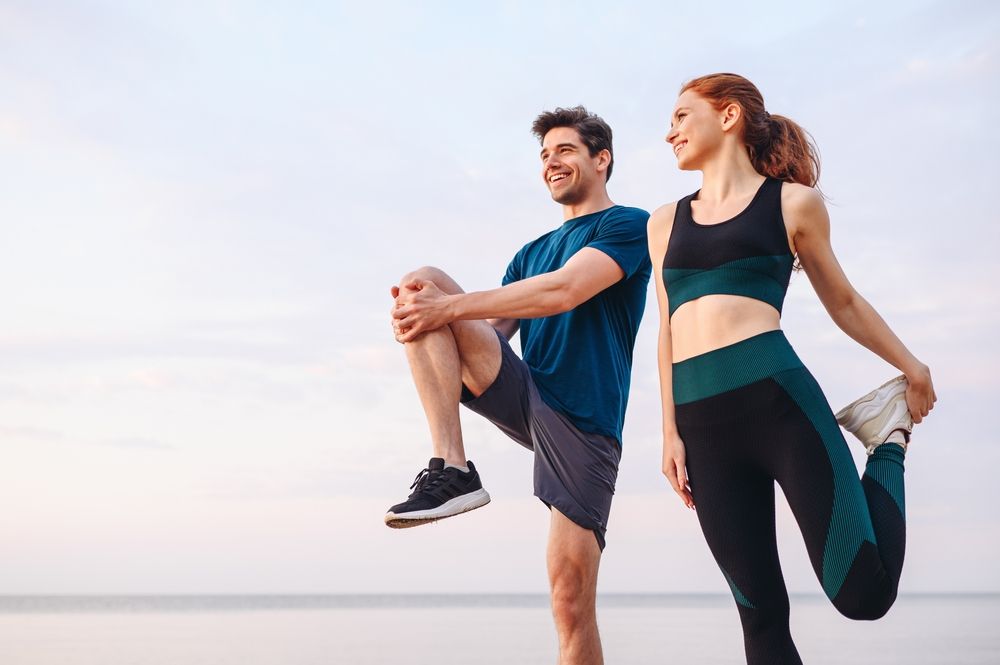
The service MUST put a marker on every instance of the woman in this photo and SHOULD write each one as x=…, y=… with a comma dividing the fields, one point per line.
x=740, y=411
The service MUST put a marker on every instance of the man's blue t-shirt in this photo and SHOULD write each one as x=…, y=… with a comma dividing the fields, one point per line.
x=581, y=360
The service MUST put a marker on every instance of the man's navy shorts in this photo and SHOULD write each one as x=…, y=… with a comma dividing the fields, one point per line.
x=575, y=471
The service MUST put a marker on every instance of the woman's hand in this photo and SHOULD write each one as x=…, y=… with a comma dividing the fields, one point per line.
x=674, y=460
x=920, y=395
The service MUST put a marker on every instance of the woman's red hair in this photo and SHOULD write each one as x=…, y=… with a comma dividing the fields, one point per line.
x=778, y=147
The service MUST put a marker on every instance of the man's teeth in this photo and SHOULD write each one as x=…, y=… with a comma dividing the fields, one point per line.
x=558, y=176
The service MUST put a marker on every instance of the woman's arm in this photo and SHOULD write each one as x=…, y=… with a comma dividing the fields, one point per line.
x=806, y=213
x=674, y=456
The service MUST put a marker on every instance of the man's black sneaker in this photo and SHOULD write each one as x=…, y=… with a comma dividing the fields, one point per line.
x=438, y=492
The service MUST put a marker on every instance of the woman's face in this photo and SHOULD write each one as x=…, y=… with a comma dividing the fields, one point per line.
x=696, y=130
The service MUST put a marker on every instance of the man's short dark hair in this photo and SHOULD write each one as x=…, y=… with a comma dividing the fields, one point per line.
x=595, y=133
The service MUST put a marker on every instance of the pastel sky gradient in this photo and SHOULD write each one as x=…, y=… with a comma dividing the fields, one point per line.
x=203, y=206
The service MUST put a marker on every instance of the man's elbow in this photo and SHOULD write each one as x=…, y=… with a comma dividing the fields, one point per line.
x=568, y=302
x=568, y=298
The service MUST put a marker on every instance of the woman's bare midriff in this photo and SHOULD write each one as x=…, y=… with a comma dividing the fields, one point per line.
x=718, y=320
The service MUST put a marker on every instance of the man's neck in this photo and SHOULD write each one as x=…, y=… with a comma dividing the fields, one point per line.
x=593, y=203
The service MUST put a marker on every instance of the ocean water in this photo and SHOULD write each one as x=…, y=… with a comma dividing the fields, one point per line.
x=469, y=629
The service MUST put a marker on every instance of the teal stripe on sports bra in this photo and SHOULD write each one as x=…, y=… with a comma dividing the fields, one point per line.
x=763, y=278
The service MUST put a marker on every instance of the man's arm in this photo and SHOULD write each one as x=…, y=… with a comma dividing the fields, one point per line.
x=422, y=306
x=506, y=327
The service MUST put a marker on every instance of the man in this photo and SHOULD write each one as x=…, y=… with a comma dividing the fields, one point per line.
x=577, y=294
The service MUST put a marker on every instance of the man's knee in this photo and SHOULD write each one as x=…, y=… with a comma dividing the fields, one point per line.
x=572, y=599
x=423, y=272
x=573, y=576
x=431, y=274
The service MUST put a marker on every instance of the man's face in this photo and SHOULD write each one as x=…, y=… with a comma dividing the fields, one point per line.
x=568, y=170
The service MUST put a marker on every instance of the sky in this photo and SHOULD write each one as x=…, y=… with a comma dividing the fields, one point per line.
x=203, y=206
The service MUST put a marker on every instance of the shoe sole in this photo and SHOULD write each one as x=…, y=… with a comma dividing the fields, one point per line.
x=457, y=506
x=869, y=413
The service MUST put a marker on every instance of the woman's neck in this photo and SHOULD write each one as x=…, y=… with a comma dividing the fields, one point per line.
x=728, y=174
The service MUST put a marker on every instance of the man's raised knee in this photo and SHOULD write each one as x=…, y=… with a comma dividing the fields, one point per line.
x=440, y=278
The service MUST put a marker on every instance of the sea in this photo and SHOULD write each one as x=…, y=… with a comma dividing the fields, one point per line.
x=474, y=629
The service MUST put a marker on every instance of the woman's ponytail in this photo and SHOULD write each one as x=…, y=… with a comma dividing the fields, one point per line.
x=778, y=147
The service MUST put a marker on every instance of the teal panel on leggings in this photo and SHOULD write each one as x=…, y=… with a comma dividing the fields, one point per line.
x=850, y=521
x=885, y=466
x=737, y=594
x=733, y=367
x=760, y=277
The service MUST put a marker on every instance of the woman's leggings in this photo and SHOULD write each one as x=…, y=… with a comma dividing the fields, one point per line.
x=751, y=414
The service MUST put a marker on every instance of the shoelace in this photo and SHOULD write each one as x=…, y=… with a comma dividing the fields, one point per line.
x=426, y=480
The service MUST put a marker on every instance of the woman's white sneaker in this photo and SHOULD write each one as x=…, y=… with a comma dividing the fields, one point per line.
x=878, y=414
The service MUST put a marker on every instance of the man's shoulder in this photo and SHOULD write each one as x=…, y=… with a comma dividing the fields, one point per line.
x=540, y=240
x=630, y=211
x=625, y=215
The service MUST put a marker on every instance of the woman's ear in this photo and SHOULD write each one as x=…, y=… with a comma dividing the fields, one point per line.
x=730, y=116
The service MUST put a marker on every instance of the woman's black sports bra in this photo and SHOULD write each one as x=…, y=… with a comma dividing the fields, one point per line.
x=747, y=255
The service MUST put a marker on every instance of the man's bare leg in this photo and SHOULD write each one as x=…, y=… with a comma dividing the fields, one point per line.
x=573, y=560
x=437, y=374
x=441, y=360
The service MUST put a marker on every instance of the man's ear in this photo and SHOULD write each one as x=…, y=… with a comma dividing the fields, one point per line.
x=603, y=159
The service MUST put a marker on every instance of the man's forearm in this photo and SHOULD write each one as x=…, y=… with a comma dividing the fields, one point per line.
x=543, y=295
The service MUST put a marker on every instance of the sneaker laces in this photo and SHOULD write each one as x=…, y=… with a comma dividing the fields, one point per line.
x=426, y=480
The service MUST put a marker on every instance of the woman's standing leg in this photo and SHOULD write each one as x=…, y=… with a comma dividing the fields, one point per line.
x=735, y=506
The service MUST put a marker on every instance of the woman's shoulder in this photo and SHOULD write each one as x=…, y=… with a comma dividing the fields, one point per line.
x=800, y=198
x=663, y=216
x=802, y=207
x=659, y=225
